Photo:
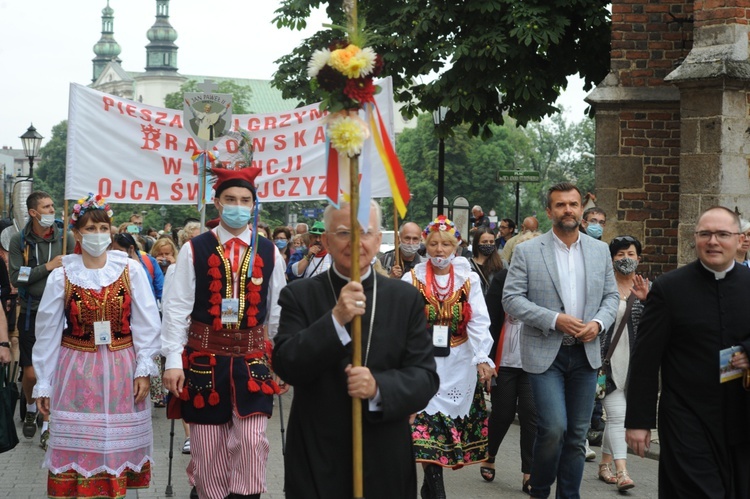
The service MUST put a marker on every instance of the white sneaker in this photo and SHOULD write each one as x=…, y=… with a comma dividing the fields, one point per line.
x=590, y=454
x=186, y=446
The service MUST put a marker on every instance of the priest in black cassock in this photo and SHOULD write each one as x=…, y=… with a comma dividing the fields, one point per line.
x=313, y=353
x=691, y=314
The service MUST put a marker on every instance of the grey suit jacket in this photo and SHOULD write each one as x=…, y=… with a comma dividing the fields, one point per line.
x=532, y=294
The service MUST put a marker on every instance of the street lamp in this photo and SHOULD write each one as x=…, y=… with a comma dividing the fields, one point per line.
x=31, y=140
x=438, y=116
x=163, y=211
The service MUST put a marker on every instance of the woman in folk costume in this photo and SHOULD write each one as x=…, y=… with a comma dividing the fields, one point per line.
x=452, y=430
x=97, y=335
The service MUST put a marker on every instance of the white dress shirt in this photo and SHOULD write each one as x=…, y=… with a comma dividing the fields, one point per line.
x=179, y=298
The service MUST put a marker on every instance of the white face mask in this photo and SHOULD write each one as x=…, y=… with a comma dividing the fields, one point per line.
x=95, y=244
x=46, y=220
x=442, y=262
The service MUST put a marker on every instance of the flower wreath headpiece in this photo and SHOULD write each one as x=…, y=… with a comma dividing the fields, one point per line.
x=92, y=202
x=441, y=223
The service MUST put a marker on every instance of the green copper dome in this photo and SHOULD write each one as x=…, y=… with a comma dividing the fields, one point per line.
x=106, y=49
x=161, y=52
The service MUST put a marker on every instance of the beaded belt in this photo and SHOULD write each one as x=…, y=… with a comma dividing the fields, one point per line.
x=234, y=342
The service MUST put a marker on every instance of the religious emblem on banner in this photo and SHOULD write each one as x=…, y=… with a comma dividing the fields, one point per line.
x=208, y=116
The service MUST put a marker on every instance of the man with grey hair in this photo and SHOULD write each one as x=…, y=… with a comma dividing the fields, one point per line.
x=313, y=353
x=301, y=228
x=409, y=236
x=480, y=219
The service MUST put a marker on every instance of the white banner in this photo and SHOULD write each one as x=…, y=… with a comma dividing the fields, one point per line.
x=132, y=153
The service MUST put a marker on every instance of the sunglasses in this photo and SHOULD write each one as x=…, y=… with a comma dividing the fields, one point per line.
x=627, y=239
x=125, y=240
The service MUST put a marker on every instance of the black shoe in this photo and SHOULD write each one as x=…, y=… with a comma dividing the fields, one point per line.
x=433, y=476
x=488, y=473
x=194, y=493
x=29, y=424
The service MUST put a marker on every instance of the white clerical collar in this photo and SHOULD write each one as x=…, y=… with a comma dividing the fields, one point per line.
x=347, y=279
x=223, y=235
x=718, y=275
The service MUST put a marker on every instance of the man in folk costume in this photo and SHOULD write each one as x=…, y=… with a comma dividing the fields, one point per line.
x=218, y=315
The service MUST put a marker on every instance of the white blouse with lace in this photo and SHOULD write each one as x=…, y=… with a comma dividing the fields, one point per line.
x=458, y=371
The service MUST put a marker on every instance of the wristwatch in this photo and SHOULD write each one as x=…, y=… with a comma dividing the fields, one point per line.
x=4, y=344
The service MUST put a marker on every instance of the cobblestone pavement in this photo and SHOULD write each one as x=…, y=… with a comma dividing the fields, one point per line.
x=21, y=476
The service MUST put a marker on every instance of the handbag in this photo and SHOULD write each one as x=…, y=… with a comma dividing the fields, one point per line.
x=8, y=398
x=604, y=385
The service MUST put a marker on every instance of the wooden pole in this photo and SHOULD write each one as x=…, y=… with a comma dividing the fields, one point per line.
x=356, y=329
x=65, y=227
x=397, y=252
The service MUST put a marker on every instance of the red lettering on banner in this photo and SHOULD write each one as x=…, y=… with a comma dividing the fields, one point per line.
x=170, y=166
x=276, y=192
x=320, y=135
x=133, y=194
x=316, y=114
x=176, y=121
x=270, y=122
x=146, y=114
x=108, y=102
x=285, y=118
x=178, y=190
x=309, y=182
x=191, y=146
x=192, y=190
x=300, y=116
x=151, y=137
x=293, y=191
x=322, y=191
x=290, y=164
x=271, y=162
x=160, y=117
x=299, y=138
x=280, y=141
x=253, y=124
x=130, y=110
x=153, y=192
x=259, y=145
x=171, y=142
x=232, y=146
x=105, y=187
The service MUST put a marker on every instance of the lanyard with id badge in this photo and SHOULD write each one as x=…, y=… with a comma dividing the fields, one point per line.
x=102, y=330
x=441, y=340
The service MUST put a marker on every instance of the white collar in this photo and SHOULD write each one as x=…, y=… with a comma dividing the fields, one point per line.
x=718, y=275
x=223, y=235
x=78, y=274
x=347, y=279
x=559, y=243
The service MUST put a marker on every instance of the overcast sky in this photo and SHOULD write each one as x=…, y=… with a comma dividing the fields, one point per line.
x=47, y=44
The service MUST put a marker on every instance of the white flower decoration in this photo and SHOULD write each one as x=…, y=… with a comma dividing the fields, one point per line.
x=317, y=61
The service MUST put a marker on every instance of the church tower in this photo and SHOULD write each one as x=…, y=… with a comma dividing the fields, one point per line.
x=106, y=49
x=161, y=52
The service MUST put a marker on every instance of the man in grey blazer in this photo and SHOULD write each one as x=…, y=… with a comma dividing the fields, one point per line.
x=561, y=286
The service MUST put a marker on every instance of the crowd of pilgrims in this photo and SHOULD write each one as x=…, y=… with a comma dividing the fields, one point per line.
x=460, y=278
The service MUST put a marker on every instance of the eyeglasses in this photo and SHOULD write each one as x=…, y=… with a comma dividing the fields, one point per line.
x=345, y=235
x=627, y=239
x=721, y=235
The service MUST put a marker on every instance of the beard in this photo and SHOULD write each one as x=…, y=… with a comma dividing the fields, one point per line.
x=567, y=225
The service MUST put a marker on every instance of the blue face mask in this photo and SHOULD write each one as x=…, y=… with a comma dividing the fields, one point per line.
x=236, y=216
x=281, y=243
x=594, y=230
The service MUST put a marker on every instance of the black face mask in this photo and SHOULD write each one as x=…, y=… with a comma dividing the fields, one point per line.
x=486, y=249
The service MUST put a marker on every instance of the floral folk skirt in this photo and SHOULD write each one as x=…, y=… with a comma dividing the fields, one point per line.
x=452, y=442
x=71, y=484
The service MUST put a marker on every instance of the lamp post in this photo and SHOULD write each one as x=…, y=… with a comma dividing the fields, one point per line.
x=31, y=140
x=438, y=116
x=163, y=213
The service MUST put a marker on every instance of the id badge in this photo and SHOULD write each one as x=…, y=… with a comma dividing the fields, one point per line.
x=23, y=274
x=230, y=313
x=102, y=333
x=440, y=336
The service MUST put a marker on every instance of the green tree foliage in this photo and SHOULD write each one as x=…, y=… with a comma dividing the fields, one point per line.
x=495, y=58
x=49, y=174
x=553, y=148
x=240, y=95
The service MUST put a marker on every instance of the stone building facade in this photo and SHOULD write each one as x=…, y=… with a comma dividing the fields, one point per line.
x=673, y=122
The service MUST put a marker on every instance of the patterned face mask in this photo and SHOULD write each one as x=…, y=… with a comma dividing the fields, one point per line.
x=625, y=266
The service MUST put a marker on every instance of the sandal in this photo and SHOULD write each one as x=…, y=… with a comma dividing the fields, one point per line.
x=606, y=475
x=526, y=487
x=624, y=482
x=488, y=473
